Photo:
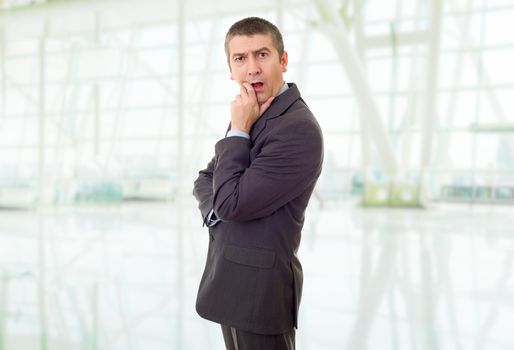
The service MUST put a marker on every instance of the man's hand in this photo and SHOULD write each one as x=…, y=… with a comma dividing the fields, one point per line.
x=245, y=109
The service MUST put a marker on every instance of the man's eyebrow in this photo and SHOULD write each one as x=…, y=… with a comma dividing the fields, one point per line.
x=264, y=48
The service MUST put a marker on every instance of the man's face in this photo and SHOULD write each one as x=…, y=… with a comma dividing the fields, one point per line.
x=255, y=60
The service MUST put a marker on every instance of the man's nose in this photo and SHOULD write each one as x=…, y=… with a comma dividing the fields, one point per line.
x=253, y=67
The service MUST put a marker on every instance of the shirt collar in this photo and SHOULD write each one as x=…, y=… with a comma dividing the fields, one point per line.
x=284, y=88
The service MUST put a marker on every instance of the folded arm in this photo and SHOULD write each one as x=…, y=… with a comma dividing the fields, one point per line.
x=203, y=189
x=286, y=166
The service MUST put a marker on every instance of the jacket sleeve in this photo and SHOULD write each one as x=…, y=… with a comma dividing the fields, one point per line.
x=287, y=165
x=203, y=189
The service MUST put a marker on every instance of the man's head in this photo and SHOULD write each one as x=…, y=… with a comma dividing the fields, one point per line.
x=255, y=54
x=255, y=25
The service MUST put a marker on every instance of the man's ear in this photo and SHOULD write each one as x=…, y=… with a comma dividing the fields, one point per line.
x=283, y=62
x=231, y=77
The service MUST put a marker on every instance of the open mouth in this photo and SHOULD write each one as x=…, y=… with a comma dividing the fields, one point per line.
x=258, y=86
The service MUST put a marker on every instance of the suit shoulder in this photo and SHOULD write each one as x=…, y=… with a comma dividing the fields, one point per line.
x=299, y=115
x=297, y=122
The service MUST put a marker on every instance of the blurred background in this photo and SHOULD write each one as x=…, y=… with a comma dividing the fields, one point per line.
x=109, y=108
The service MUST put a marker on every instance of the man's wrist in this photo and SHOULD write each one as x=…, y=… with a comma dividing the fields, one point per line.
x=240, y=128
x=239, y=133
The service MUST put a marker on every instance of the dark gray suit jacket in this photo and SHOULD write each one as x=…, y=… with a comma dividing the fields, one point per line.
x=259, y=188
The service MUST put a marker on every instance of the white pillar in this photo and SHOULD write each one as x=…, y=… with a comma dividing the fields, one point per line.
x=2, y=73
x=42, y=190
x=96, y=94
x=280, y=15
x=97, y=130
x=180, y=202
x=3, y=307
x=431, y=91
x=336, y=32
x=41, y=114
x=360, y=47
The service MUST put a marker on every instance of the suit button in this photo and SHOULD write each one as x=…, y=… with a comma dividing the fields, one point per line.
x=211, y=237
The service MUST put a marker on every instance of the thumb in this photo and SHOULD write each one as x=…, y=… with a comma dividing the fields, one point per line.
x=266, y=105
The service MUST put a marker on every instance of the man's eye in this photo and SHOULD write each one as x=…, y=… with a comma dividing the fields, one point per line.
x=263, y=54
x=238, y=59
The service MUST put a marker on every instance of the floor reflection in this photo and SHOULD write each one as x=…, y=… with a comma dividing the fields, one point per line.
x=125, y=277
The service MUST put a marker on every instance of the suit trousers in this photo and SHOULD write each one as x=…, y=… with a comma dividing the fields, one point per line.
x=236, y=339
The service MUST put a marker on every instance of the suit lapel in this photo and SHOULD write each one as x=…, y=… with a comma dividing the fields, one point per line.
x=277, y=108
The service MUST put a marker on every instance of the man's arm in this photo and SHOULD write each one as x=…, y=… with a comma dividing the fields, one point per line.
x=287, y=165
x=203, y=189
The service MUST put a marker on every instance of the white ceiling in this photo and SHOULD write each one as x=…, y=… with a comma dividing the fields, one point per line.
x=65, y=17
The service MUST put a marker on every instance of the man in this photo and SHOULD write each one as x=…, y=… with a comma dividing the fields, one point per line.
x=253, y=195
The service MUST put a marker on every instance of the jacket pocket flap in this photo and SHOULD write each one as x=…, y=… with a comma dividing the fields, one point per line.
x=256, y=257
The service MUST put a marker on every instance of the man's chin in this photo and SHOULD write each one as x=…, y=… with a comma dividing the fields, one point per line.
x=262, y=97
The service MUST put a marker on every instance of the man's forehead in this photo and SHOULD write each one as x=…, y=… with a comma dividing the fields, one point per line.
x=249, y=43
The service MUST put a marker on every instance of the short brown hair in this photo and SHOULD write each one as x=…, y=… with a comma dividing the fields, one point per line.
x=255, y=25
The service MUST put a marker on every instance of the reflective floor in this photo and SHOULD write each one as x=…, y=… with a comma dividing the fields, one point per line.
x=125, y=277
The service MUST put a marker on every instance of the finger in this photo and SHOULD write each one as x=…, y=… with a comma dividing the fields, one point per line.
x=266, y=105
x=250, y=91
x=243, y=92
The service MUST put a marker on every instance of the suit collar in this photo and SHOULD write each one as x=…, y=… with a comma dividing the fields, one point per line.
x=282, y=102
x=279, y=105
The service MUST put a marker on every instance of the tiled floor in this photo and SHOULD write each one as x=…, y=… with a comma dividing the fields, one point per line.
x=125, y=277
